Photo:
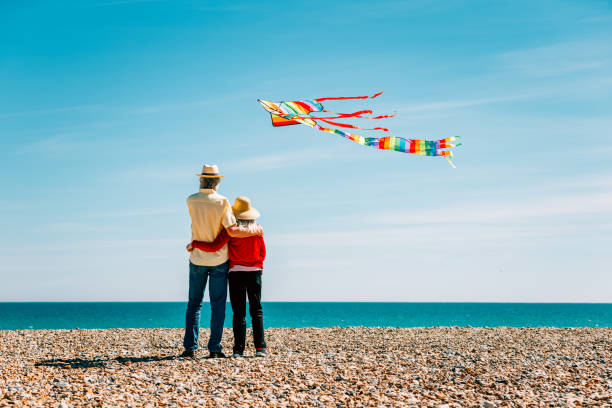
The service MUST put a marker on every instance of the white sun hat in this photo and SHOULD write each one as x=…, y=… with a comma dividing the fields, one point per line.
x=209, y=171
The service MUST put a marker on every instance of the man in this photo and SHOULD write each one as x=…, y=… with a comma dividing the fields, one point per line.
x=209, y=212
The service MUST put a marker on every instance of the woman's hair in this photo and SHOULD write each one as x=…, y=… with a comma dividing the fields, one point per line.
x=249, y=225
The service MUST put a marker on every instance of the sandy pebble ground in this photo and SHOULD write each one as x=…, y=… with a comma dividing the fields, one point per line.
x=329, y=367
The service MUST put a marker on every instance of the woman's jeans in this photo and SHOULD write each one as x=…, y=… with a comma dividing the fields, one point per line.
x=242, y=284
x=198, y=275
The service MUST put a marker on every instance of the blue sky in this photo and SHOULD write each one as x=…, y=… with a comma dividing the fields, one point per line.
x=108, y=109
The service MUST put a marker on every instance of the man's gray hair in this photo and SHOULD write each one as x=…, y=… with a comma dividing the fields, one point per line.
x=209, y=182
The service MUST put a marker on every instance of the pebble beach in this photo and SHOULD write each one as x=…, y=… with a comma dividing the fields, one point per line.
x=311, y=367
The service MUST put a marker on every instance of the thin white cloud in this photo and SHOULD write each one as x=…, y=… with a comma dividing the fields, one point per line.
x=124, y=2
x=137, y=109
x=145, y=212
x=177, y=106
x=56, y=144
x=436, y=110
x=561, y=197
x=168, y=173
x=78, y=227
x=598, y=19
x=594, y=181
x=50, y=111
x=226, y=7
x=546, y=211
x=392, y=234
x=144, y=110
x=560, y=59
x=252, y=164
x=280, y=160
x=553, y=206
x=456, y=104
x=170, y=245
x=69, y=143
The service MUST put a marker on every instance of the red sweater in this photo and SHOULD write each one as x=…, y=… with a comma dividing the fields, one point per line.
x=249, y=251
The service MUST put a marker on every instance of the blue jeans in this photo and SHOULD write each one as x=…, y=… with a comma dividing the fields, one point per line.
x=198, y=275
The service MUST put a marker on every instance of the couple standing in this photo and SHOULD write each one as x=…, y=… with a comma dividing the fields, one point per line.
x=226, y=244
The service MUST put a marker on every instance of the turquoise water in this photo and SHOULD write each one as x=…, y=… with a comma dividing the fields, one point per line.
x=318, y=314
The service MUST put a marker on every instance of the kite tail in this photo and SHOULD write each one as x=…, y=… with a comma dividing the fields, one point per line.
x=349, y=126
x=357, y=115
x=399, y=144
x=340, y=98
x=447, y=154
x=450, y=162
x=384, y=116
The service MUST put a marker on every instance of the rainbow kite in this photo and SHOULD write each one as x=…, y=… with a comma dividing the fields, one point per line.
x=296, y=112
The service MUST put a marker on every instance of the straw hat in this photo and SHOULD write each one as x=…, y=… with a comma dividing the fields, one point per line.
x=209, y=171
x=242, y=209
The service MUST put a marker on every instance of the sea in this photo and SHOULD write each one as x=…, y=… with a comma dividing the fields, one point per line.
x=103, y=315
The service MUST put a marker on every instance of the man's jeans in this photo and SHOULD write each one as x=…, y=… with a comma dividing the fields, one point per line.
x=198, y=275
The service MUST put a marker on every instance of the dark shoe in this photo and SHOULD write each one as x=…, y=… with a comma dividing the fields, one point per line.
x=237, y=354
x=187, y=354
x=261, y=352
x=216, y=354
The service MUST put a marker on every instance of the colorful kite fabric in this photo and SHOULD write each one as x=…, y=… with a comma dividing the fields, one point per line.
x=300, y=112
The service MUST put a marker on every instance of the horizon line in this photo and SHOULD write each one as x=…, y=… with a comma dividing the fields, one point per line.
x=314, y=301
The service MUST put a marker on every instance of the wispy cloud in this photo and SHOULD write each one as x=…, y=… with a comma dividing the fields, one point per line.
x=185, y=105
x=51, y=111
x=596, y=150
x=551, y=206
x=456, y=104
x=560, y=59
x=252, y=164
x=78, y=227
x=549, y=199
x=63, y=143
x=166, y=244
x=145, y=212
x=391, y=234
x=563, y=209
x=280, y=160
x=600, y=182
x=124, y=2
x=136, y=109
x=68, y=143
x=178, y=172
x=605, y=18
x=144, y=110
x=227, y=7
x=159, y=174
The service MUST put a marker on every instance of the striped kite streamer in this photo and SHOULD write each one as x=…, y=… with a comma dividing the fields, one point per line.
x=299, y=112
